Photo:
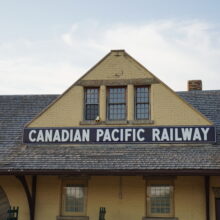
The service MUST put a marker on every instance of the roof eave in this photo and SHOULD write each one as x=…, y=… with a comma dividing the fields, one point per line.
x=115, y=172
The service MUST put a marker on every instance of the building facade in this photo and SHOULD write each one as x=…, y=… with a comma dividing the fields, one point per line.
x=118, y=138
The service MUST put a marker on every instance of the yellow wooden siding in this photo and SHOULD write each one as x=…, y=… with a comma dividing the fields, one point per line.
x=125, y=202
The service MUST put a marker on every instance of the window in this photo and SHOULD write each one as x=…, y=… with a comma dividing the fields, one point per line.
x=91, y=103
x=142, y=102
x=74, y=199
x=117, y=103
x=160, y=200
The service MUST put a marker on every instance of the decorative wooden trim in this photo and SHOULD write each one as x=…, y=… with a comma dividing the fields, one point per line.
x=159, y=218
x=84, y=178
x=72, y=218
x=141, y=122
x=113, y=122
x=34, y=188
x=31, y=196
x=91, y=122
x=207, y=196
x=108, y=172
x=117, y=122
x=118, y=82
x=162, y=178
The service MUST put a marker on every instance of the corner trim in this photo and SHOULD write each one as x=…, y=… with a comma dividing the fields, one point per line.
x=159, y=218
x=117, y=122
x=72, y=218
x=118, y=82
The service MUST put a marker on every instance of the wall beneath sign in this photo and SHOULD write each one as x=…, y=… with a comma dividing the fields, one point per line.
x=125, y=202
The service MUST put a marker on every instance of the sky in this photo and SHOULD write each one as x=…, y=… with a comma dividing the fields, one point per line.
x=46, y=45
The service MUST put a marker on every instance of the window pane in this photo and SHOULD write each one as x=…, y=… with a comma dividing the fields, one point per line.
x=92, y=112
x=160, y=199
x=117, y=104
x=91, y=103
x=117, y=112
x=116, y=95
x=142, y=111
x=142, y=103
x=74, y=198
x=92, y=96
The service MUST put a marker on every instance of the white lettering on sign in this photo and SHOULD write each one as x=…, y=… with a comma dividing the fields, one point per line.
x=197, y=135
x=107, y=136
x=127, y=133
x=139, y=135
x=86, y=135
x=120, y=135
x=100, y=133
x=56, y=137
x=155, y=134
x=177, y=138
x=179, y=135
x=40, y=136
x=205, y=133
x=114, y=137
x=187, y=133
x=48, y=135
x=77, y=136
x=65, y=135
x=31, y=138
x=165, y=136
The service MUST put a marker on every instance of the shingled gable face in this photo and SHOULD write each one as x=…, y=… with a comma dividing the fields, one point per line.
x=119, y=101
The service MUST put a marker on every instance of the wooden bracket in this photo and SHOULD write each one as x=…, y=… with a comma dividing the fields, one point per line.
x=207, y=195
x=31, y=196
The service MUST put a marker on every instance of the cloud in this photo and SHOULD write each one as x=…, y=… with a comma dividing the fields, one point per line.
x=25, y=76
x=69, y=38
x=175, y=51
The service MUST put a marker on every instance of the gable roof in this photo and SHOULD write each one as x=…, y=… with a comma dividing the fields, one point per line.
x=109, y=69
x=16, y=111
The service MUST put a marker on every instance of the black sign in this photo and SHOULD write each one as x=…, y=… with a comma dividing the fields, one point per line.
x=119, y=135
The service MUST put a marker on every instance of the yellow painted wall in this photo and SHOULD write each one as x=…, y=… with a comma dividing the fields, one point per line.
x=169, y=109
x=125, y=204
x=48, y=198
x=214, y=182
x=65, y=112
x=166, y=107
x=117, y=65
x=106, y=191
x=190, y=198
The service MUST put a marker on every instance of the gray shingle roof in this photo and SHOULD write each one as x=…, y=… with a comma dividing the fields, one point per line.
x=16, y=111
x=208, y=103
